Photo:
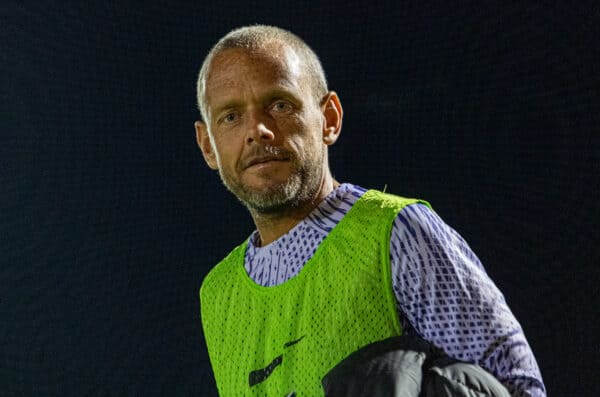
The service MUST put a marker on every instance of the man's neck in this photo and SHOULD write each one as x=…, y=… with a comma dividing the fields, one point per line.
x=272, y=226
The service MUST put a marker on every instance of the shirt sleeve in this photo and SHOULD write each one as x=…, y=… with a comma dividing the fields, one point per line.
x=445, y=295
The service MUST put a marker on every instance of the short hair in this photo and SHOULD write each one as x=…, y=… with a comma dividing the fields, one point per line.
x=257, y=37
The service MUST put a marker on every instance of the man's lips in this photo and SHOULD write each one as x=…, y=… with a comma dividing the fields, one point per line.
x=263, y=160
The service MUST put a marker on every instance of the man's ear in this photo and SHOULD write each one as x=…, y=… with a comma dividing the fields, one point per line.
x=205, y=146
x=332, y=115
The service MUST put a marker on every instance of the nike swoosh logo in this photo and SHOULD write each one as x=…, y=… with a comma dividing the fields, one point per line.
x=260, y=375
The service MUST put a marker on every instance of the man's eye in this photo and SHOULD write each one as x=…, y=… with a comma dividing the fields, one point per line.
x=282, y=106
x=229, y=118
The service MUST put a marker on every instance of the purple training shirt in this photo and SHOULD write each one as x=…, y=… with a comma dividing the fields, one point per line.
x=442, y=291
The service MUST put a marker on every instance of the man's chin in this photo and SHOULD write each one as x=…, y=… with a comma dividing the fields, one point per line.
x=264, y=185
x=271, y=199
x=272, y=196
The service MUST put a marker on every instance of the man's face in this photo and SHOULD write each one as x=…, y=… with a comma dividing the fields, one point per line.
x=265, y=128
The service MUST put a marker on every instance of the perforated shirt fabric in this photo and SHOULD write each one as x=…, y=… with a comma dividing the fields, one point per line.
x=284, y=339
x=442, y=291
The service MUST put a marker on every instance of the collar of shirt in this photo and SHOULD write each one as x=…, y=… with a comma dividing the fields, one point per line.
x=324, y=217
x=283, y=258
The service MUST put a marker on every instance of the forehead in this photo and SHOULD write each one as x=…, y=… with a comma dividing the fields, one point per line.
x=275, y=65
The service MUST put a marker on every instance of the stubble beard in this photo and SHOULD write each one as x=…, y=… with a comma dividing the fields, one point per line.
x=300, y=187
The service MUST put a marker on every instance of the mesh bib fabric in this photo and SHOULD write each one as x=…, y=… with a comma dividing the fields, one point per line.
x=275, y=341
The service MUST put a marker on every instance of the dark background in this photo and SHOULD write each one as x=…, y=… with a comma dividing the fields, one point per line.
x=109, y=218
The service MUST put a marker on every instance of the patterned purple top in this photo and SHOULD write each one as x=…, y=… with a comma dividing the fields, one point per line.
x=442, y=291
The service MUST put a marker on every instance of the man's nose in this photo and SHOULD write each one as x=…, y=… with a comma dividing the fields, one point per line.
x=258, y=128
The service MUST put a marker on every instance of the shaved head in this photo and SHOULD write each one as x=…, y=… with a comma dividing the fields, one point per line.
x=261, y=38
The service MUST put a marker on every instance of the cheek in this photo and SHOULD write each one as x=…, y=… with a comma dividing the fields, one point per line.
x=227, y=151
x=302, y=128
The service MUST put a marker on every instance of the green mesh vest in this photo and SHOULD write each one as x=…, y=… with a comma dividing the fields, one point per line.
x=275, y=341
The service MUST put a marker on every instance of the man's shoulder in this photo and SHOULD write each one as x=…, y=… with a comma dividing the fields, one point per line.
x=377, y=199
x=373, y=215
x=224, y=268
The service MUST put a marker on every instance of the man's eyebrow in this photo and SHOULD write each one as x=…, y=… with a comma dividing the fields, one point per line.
x=280, y=93
x=226, y=105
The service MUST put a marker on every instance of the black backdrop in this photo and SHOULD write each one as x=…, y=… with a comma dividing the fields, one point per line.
x=109, y=218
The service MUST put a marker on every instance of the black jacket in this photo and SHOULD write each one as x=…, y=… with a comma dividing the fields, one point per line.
x=407, y=366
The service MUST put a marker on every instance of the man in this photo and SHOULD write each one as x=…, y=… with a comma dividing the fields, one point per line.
x=333, y=272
